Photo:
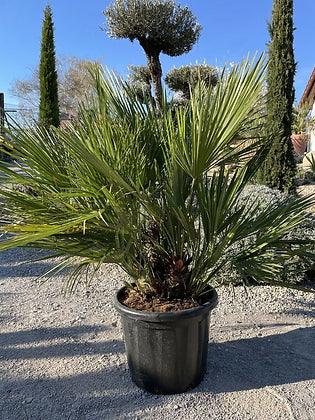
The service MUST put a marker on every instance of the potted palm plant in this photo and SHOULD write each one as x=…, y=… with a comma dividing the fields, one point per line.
x=151, y=191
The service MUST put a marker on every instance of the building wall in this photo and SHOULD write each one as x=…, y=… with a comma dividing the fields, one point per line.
x=312, y=139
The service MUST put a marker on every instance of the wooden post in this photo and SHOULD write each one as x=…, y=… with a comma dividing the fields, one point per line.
x=1, y=113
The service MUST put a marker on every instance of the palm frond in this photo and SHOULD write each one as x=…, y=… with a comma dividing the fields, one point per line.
x=152, y=192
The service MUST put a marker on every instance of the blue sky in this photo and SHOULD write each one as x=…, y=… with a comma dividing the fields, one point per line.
x=231, y=29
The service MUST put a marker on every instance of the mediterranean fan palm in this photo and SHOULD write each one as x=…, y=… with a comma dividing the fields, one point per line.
x=152, y=191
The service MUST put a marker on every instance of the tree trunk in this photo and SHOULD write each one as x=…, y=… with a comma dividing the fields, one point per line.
x=154, y=65
x=151, y=97
x=155, y=68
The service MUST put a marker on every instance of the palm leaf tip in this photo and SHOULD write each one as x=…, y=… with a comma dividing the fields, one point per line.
x=97, y=187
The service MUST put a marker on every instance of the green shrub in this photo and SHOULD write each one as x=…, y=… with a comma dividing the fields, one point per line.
x=293, y=270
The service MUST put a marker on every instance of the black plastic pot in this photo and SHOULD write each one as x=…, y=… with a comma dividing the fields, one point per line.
x=167, y=352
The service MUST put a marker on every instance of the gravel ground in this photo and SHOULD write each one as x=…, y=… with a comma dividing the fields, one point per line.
x=63, y=357
x=306, y=190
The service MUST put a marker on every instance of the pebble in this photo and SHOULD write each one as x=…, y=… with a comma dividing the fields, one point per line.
x=102, y=386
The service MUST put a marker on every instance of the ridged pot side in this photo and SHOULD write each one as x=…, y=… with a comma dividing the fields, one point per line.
x=299, y=142
x=167, y=352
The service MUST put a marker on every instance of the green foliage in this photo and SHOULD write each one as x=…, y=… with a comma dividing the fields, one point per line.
x=185, y=78
x=140, y=81
x=160, y=26
x=311, y=160
x=139, y=74
x=302, y=122
x=48, y=106
x=168, y=27
x=293, y=270
x=279, y=169
x=152, y=193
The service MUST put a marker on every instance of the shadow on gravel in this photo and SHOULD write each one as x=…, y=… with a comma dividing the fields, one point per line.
x=102, y=394
x=29, y=269
x=22, y=262
x=263, y=361
x=62, y=350
x=304, y=310
x=23, y=254
x=43, y=334
x=106, y=392
x=241, y=326
x=40, y=394
x=80, y=342
x=5, y=319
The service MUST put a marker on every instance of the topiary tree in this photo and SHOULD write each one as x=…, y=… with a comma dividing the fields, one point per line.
x=48, y=104
x=185, y=78
x=160, y=26
x=140, y=81
x=279, y=168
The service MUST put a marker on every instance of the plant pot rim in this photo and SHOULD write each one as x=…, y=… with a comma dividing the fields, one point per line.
x=166, y=316
x=300, y=135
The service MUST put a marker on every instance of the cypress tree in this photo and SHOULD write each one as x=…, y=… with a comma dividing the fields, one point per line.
x=48, y=105
x=279, y=168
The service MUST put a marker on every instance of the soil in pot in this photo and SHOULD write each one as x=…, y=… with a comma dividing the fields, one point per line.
x=133, y=299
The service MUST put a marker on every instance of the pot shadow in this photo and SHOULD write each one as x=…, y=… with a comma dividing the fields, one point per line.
x=104, y=389
x=258, y=362
x=242, y=326
x=34, y=392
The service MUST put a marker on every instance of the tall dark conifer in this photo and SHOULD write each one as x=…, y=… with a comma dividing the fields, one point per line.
x=280, y=168
x=48, y=106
